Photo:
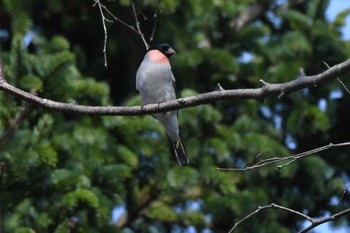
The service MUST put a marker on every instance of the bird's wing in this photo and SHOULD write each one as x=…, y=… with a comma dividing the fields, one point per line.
x=138, y=78
x=173, y=81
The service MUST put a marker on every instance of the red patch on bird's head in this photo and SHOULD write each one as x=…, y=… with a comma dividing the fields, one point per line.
x=157, y=56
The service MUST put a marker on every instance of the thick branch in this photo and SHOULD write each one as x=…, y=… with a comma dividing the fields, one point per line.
x=266, y=90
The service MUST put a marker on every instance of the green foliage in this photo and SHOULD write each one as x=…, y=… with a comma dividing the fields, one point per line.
x=300, y=119
x=21, y=22
x=161, y=211
x=31, y=82
x=72, y=199
x=66, y=173
x=297, y=20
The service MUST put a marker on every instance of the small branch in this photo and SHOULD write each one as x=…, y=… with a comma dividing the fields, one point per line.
x=138, y=26
x=251, y=13
x=339, y=80
x=205, y=98
x=343, y=194
x=220, y=87
x=103, y=8
x=314, y=222
x=271, y=206
x=155, y=21
x=256, y=10
x=104, y=19
x=289, y=159
x=313, y=151
x=2, y=73
x=132, y=28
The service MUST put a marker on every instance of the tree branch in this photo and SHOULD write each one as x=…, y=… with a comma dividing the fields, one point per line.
x=138, y=27
x=339, y=80
x=104, y=20
x=314, y=222
x=132, y=28
x=155, y=21
x=254, y=11
x=267, y=89
x=289, y=159
x=103, y=8
x=251, y=13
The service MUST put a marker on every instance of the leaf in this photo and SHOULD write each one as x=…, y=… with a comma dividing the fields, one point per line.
x=25, y=230
x=59, y=43
x=126, y=155
x=22, y=23
x=115, y=172
x=64, y=226
x=31, y=82
x=47, y=65
x=73, y=198
x=297, y=20
x=182, y=177
x=340, y=20
x=161, y=211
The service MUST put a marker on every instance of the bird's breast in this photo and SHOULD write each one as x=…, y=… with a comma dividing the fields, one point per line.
x=155, y=83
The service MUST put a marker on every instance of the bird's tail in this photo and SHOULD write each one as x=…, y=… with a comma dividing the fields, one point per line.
x=180, y=153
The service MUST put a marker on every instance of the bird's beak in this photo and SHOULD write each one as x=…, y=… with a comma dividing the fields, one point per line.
x=171, y=51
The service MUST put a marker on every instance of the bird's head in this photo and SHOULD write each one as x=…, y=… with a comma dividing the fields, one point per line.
x=165, y=49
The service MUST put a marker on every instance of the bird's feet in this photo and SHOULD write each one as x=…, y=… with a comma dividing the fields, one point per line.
x=142, y=105
x=177, y=144
x=163, y=101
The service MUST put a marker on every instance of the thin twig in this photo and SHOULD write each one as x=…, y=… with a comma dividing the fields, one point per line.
x=289, y=159
x=138, y=26
x=142, y=14
x=339, y=80
x=220, y=87
x=155, y=21
x=324, y=220
x=273, y=206
x=314, y=222
x=2, y=73
x=104, y=19
x=132, y=28
x=103, y=9
x=343, y=194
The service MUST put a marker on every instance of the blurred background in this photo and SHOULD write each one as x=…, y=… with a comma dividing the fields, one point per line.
x=74, y=173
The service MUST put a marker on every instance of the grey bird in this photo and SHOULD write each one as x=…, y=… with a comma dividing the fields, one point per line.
x=156, y=84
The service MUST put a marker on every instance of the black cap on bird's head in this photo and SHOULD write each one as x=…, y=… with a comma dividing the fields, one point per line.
x=164, y=48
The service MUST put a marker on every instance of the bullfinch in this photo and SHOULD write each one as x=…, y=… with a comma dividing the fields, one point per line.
x=156, y=84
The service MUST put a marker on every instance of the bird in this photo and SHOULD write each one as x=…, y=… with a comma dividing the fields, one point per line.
x=156, y=83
